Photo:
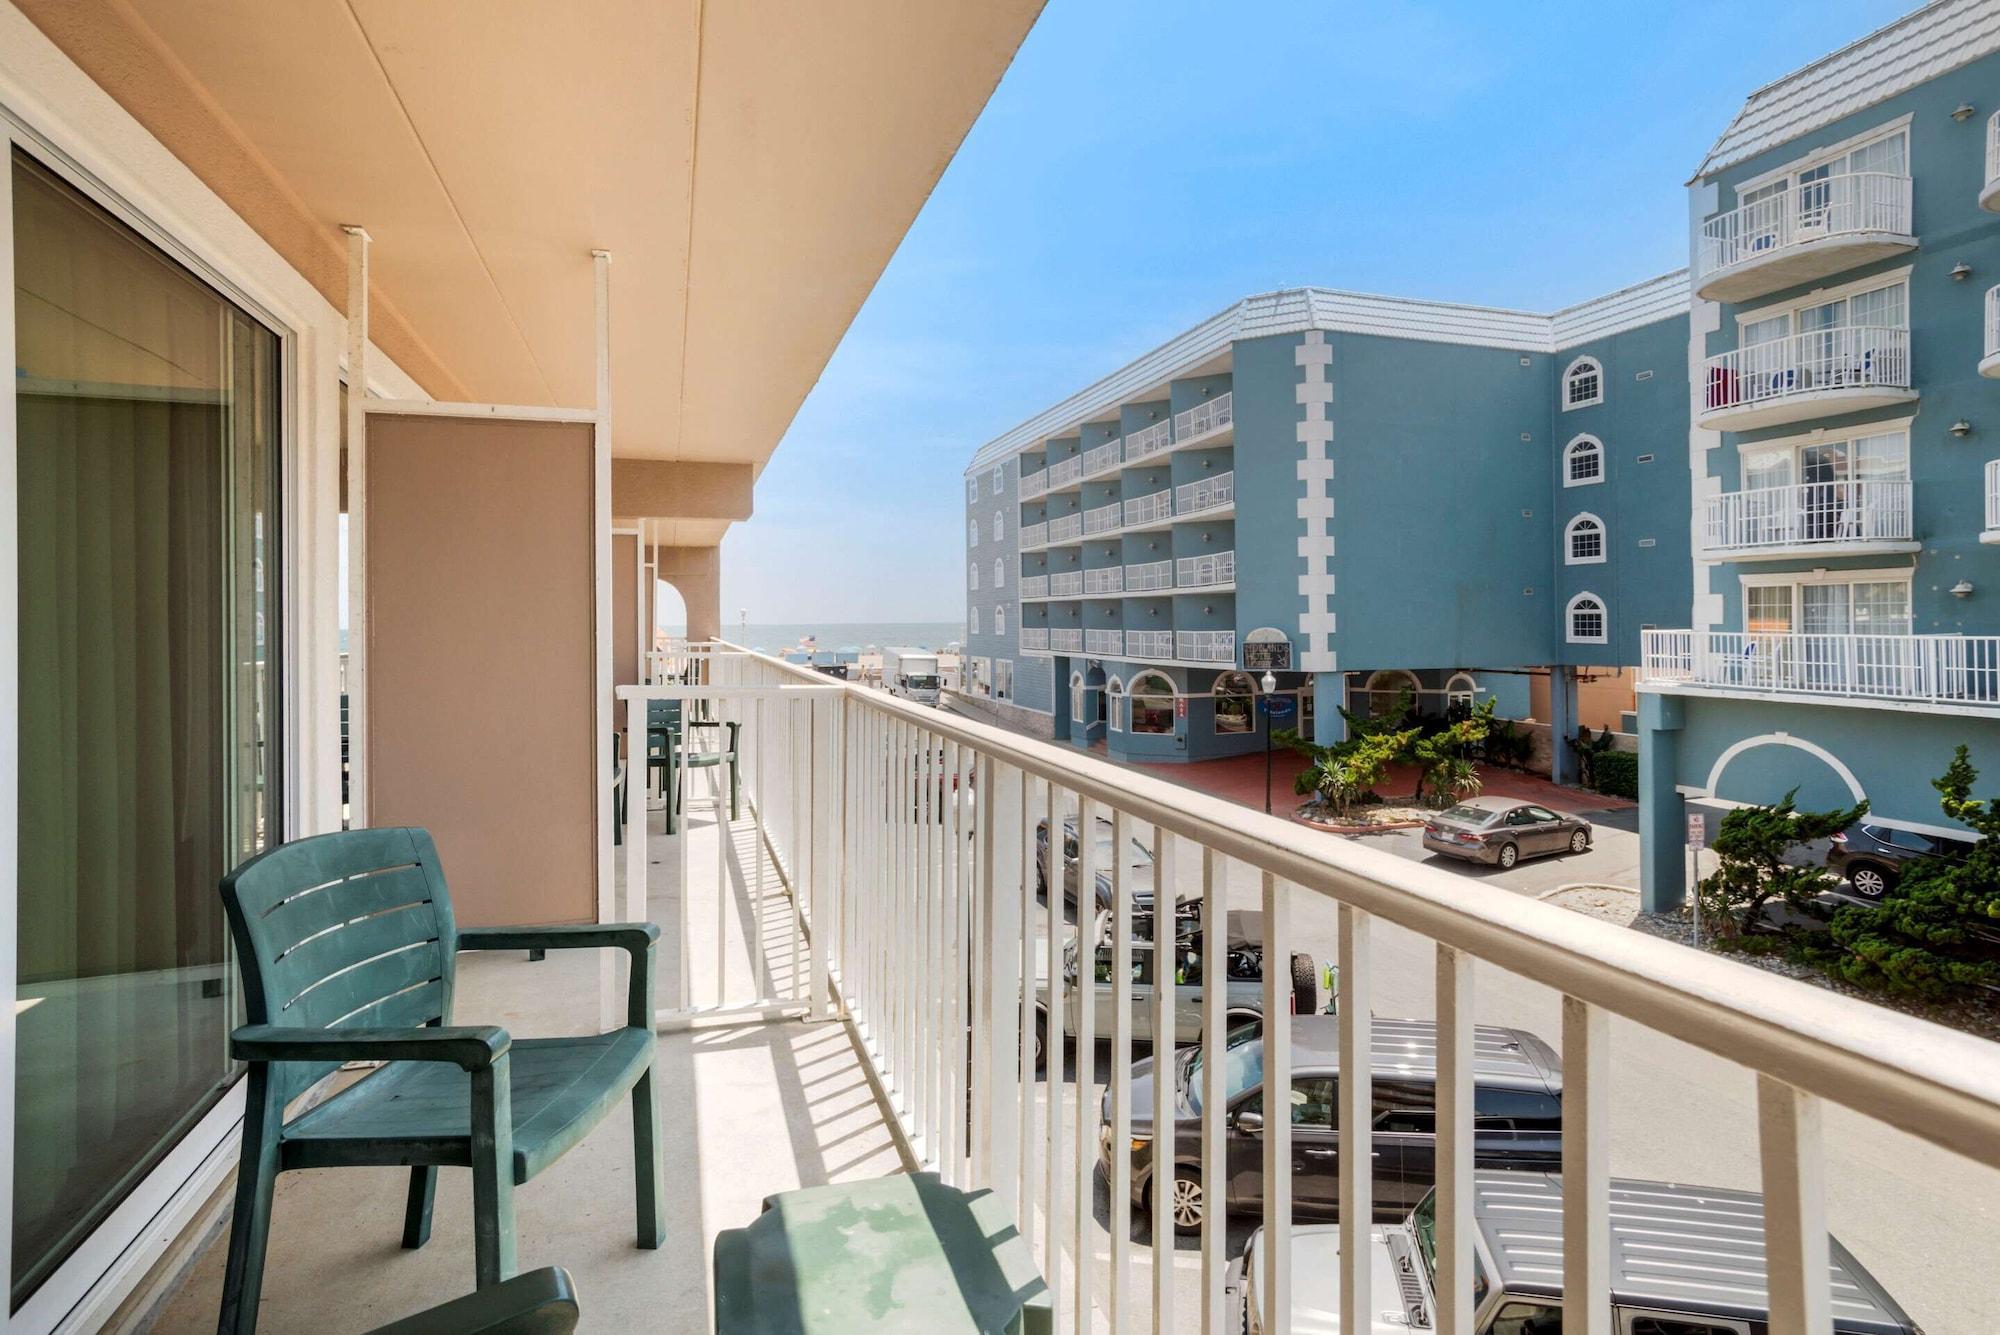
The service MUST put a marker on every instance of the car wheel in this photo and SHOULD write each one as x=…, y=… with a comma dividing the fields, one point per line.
x=1041, y=1037
x=1508, y=856
x=1869, y=881
x=1305, y=985
x=1579, y=842
x=1187, y=1201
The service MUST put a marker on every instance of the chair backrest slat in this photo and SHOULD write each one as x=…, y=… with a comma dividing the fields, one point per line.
x=399, y=1010
x=343, y=945
x=310, y=912
x=333, y=998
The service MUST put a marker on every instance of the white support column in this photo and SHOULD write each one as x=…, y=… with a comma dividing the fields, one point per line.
x=1166, y=996
x=1002, y=794
x=1795, y=1242
x=1586, y=1142
x=606, y=804
x=1274, y=1286
x=1356, y=1113
x=357, y=526
x=1215, y=1310
x=1454, y=1141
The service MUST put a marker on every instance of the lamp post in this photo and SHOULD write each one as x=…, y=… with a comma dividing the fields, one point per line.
x=1270, y=684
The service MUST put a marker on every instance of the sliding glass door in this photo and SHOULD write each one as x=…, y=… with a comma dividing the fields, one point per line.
x=147, y=448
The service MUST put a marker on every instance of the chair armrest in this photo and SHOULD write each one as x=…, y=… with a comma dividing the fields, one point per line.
x=472, y=1047
x=634, y=938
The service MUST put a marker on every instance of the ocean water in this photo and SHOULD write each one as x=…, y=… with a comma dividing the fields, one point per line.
x=841, y=635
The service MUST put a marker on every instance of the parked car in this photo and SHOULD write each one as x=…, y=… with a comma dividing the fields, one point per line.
x=1500, y=831
x=1684, y=1261
x=1517, y=1117
x=1139, y=873
x=1871, y=856
x=1243, y=968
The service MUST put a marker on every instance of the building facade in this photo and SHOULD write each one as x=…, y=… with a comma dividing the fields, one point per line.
x=1844, y=637
x=1368, y=498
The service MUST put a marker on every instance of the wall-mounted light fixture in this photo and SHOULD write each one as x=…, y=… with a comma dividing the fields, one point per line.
x=1961, y=428
x=1960, y=272
x=1962, y=589
x=1962, y=112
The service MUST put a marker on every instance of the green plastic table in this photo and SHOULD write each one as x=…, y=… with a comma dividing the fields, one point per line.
x=903, y=1255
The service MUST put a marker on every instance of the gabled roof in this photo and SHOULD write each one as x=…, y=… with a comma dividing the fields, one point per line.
x=1922, y=45
x=1295, y=310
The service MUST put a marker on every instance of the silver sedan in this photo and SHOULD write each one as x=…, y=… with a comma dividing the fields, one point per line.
x=1500, y=831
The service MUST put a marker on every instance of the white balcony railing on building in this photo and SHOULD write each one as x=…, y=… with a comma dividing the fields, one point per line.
x=1102, y=457
x=1034, y=535
x=1034, y=484
x=1149, y=575
x=1854, y=357
x=905, y=911
x=1205, y=646
x=1808, y=514
x=1993, y=495
x=1102, y=519
x=1066, y=640
x=1066, y=470
x=1034, y=586
x=1149, y=509
x=1106, y=579
x=1066, y=584
x=1855, y=202
x=1200, y=572
x=1066, y=528
x=1954, y=669
x=1034, y=637
x=1992, y=342
x=1150, y=644
x=1208, y=493
x=1210, y=415
x=1109, y=643
x=1149, y=441
x=1993, y=147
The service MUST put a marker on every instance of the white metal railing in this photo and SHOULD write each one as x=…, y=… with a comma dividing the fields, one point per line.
x=1034, y=586
x=1993, y=148
x=1149, y=575
x=1205, y=646
x=1105, y=579
x=1993, y=322
x=1149, y=441
x=1034, y=535
x=1993, y=494
x=1855, y=202
x=1209, y=415
x=1066, y=640
x=1155, y=644
x=1956, y=669
x=1808, y=513
x=1066, y=584
x=904, y=841
x=1110, y=643
x=1065, y=471
x=1208, y=493
x=1034, y=637
x=1149, y=509
x=1101, y=457
x=1066, y=528
x=1034, y=484
x=1197, y=572
x=1853, y=357
x=1102, y=519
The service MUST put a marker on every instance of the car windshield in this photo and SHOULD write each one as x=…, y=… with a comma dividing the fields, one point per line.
x=923, y=683
x=1469, y=815
x=1242, y=1065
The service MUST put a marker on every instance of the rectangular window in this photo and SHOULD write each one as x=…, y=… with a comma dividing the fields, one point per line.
x=150, y=758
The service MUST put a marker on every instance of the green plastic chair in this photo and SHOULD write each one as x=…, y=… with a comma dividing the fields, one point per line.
x=541, y=1302
x=348, y=948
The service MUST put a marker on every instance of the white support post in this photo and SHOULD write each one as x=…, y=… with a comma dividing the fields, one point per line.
x=357, y=526
x=1084, y=999
x=1121, y=1072
x=1355, y=1114
x=1215, y=1313
x=1274, y=1290
x=1454, y=1141
x=1052, y=1078
x=1586, y=1142
x=601, y=564
x=1166, y=1142
x=1002, y=790
x=1795, y=1239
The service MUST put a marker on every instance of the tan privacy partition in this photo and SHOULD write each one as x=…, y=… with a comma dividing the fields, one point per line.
x=625, y=613
x=480, y=656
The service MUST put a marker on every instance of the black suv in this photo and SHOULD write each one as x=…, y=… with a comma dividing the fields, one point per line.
x=1871, y=857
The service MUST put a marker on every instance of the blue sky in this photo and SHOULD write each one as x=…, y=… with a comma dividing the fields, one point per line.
x=1143, y=165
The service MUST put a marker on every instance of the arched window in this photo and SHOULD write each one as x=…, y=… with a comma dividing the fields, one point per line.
x=1387, y=689
x=999, y=527
x=1583, y=462
x=1235, y=703
x=1461, y=690
x=972, y=622
x=1583, y=384
x=1585, y=619
x=1583, y=541
x=972, y=576
x=1076, y=694
x=1000, y=619
x=1152, y=703
x=972, y=533
x=999, y=573
x=1114, y=694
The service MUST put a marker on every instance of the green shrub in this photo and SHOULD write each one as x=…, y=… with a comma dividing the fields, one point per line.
x=1754, y=850
x=1616, y=773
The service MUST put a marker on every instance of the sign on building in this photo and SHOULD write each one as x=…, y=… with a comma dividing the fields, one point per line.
x=1267, y=650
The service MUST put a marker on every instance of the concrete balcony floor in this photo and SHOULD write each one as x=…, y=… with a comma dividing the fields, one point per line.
x=746, y=1110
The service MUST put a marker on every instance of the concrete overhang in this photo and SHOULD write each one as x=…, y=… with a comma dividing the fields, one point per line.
x=688, y=490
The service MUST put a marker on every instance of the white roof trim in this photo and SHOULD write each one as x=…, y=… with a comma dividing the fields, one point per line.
x=1296, y=310
x=1920, y=46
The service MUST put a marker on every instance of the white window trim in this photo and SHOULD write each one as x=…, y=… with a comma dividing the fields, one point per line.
x=1402, y=677
x=999, y=526
x=1570, y=370
x=1603, y=544
x=999, y=572
x=1452, y=687
x=972, y=576
x=1819, y=155
x=1114, y=691
x=1569, y=619
x=1572, y=449
x=972, y=618
x=1899, y=575
x=1819, y=296
x=1000, y=619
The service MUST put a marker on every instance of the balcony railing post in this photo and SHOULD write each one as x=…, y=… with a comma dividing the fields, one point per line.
x=1355, y=1117
x=1214, y=1106
x=1001, y=1001
x=1024, y=991
x=1795, y=1239
x=1274, y=1287
x=1455, y=1040
x=1166, y=995
x=1086, y=1057
x=1121, y=1073
x=1053, y=870
x=1586, y=1183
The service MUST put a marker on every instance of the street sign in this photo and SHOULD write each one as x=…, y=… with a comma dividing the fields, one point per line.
x=1697, y=830
x=1267, y=650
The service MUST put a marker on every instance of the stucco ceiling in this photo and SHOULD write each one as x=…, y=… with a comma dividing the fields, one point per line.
x=750, y=164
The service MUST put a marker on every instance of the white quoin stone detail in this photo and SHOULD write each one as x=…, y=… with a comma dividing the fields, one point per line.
x=1315, y=508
